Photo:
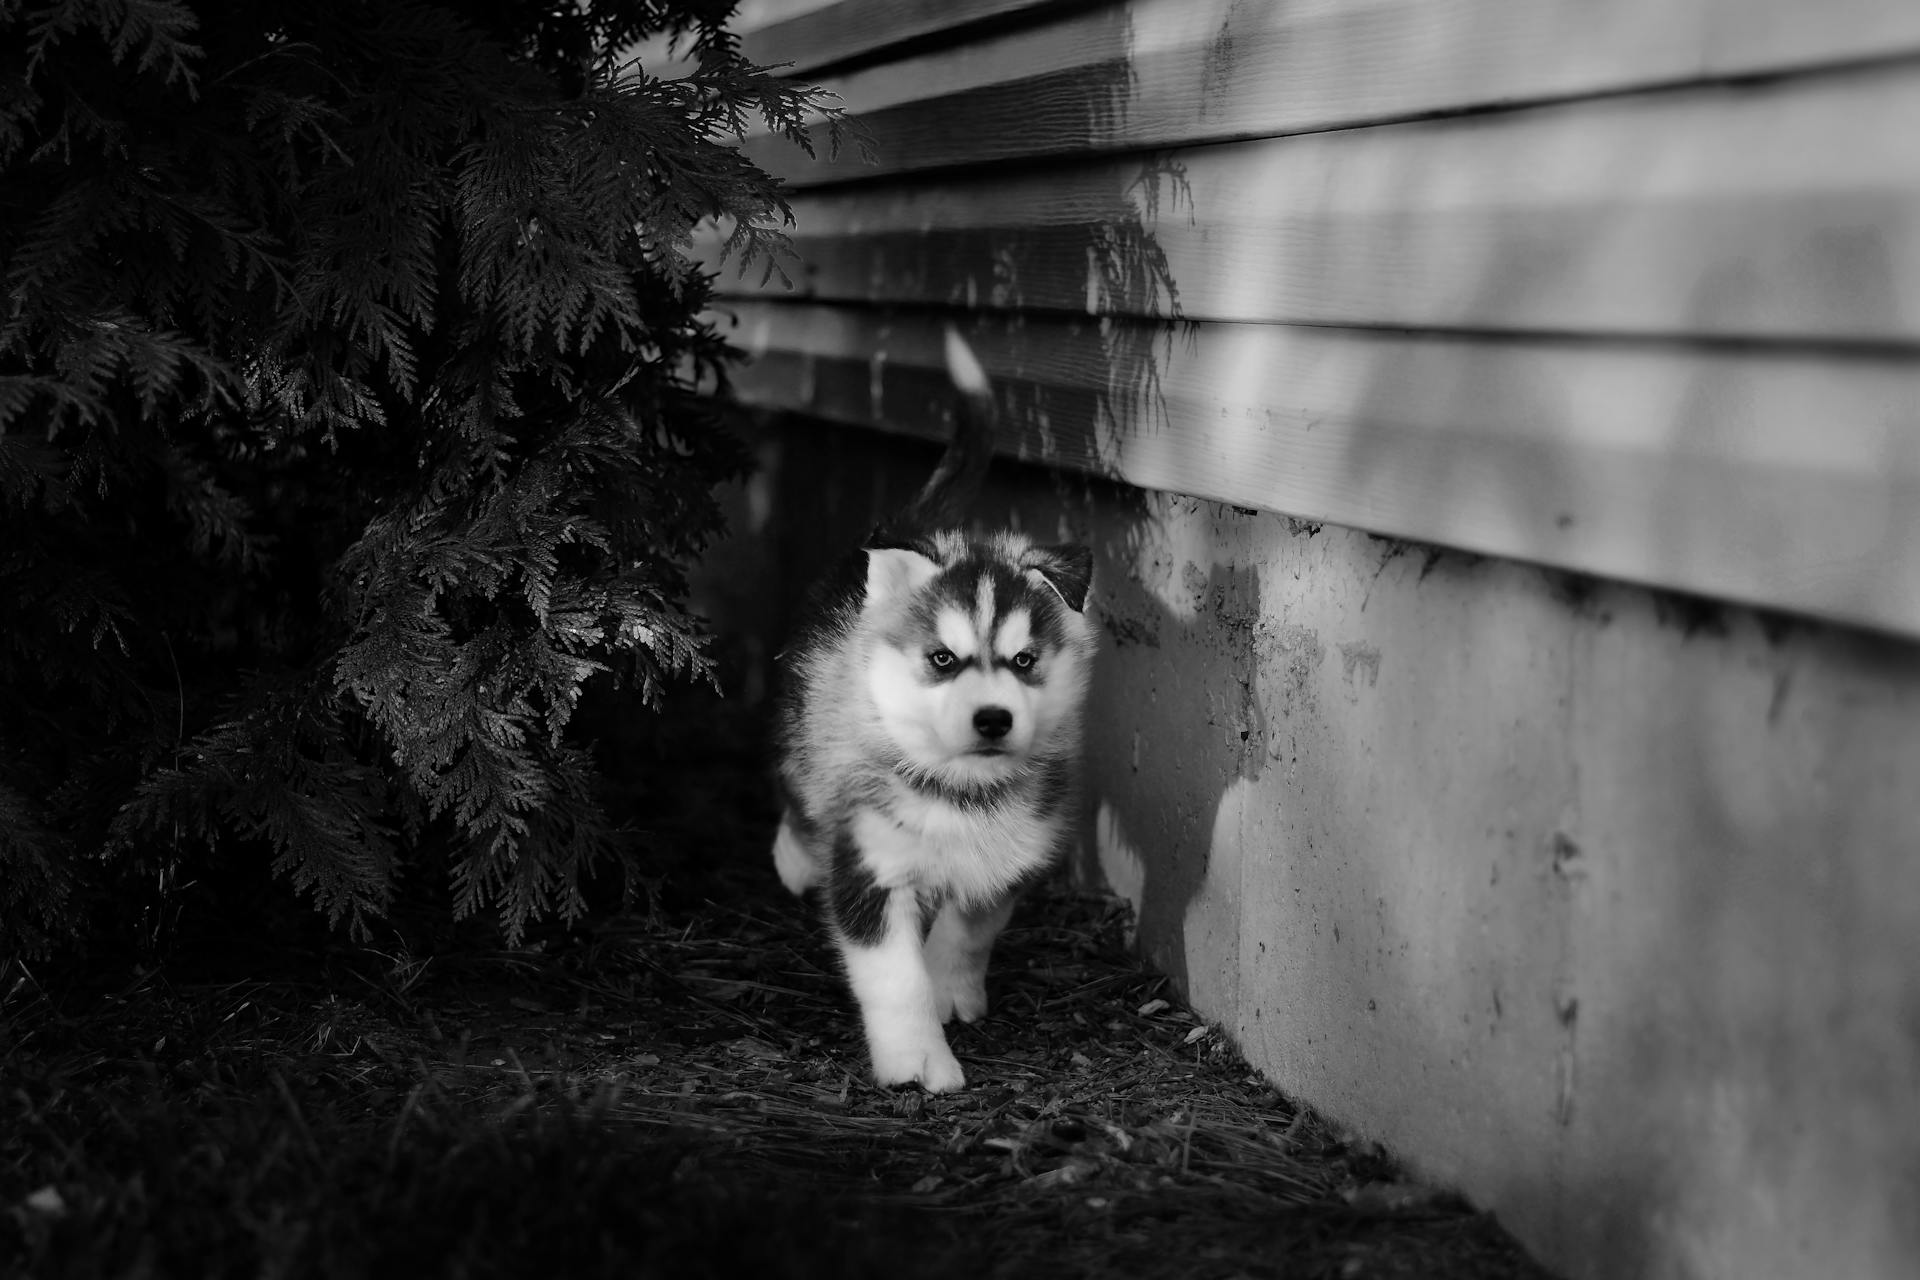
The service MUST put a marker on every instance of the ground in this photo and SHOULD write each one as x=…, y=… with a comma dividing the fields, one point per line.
x=675, y=1089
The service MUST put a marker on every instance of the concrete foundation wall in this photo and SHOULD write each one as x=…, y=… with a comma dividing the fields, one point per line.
x=1600, y=905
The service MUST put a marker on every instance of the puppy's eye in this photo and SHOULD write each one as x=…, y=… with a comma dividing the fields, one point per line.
x=1023, y=660
x=941, y=659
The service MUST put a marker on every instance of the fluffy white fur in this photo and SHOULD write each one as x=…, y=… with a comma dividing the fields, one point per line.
x=899, y=1006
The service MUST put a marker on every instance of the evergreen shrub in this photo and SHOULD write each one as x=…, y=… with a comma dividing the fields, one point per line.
x=350, y=430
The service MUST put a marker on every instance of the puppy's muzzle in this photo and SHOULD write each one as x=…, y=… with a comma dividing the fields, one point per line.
x=993, y=723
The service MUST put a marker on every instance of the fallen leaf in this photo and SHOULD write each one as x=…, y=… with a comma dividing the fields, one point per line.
x=1074, y=1170
x=49, y=1201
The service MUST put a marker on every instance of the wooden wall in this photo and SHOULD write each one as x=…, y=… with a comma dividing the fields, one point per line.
x=1630, y=289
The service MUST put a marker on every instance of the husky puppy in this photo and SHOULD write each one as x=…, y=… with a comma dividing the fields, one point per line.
x=929, y=745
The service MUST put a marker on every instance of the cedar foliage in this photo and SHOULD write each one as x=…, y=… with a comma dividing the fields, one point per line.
x=348, y=432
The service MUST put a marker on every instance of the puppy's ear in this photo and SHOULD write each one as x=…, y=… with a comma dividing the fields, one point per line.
x=894, y=573
x=1067, y=568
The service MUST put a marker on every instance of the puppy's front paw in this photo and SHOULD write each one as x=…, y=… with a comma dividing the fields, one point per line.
x=970, y=998
x=931, y=1065
x=962, y=997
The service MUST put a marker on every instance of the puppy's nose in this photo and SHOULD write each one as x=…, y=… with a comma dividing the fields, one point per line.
x=993, y=722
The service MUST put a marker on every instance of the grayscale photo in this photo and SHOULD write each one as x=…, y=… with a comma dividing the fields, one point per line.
x=862, y=639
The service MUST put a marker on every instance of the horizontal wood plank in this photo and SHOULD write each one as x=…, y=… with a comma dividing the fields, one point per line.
x=1786, y=211
x=758, y=15
x=1784, y=481
x=858, y=28
x=1159, y=73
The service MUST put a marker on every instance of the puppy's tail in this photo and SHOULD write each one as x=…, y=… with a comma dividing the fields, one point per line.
x=944, y=499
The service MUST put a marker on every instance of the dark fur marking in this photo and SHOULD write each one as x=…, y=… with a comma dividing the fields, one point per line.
x=1055, y=784
x=858, y=905
x=1046, y=628
x=1010, y=589
x=1034, y=673
x=972, y=798
x=942, y=675
x=954, y=588
x=1068, y=568
x=958, y=588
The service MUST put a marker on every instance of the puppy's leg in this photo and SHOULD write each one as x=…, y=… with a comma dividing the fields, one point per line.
x=957, y=949
x=793, y=858
x=879, y=936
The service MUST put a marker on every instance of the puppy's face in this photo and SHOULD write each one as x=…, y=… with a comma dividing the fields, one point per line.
x=978, y=666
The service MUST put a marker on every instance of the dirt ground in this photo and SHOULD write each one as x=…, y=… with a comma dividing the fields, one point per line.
x=674, y=1090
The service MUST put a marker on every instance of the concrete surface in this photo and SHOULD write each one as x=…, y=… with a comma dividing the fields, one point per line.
x=1600, y=905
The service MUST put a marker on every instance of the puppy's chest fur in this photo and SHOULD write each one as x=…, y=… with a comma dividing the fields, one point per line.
x=970, y=848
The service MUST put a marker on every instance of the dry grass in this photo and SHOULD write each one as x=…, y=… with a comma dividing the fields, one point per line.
x=676, y=1092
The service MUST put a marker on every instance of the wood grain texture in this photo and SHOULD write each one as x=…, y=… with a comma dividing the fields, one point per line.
x=1159, y=73
x=857, y=28
x=1790, y=481
x=1785, y=211
x=757, y=15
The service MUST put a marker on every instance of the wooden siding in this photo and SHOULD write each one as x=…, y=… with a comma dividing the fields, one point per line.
x=808, y=34
x=1679, y=213
x=1765, y=476
x=1162, y=73
x=1631, y=290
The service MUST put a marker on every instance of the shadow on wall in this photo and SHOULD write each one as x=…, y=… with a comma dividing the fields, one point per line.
x=1177, y=721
